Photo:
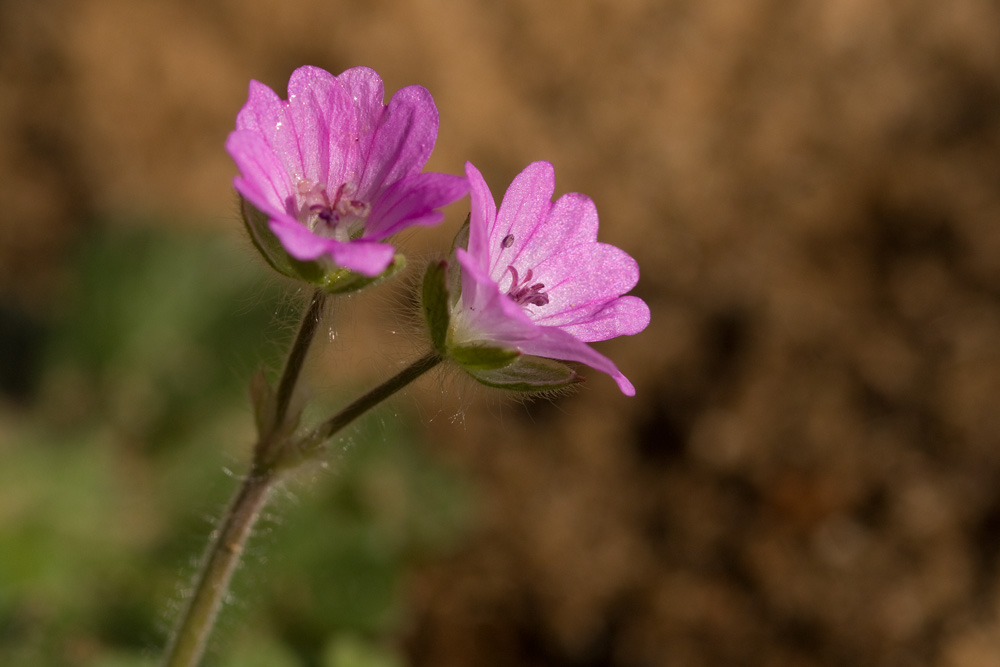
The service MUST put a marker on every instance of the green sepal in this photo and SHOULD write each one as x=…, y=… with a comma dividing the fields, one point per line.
x=482, y=357
x=528, y=374
x=342, y=281
x=323, y=274
x=461, y=240
x=434, y=298
x=270, y=248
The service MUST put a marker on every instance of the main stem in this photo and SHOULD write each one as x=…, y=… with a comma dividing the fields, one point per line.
x=227, y=546
x=217, y=571
x=224, y=552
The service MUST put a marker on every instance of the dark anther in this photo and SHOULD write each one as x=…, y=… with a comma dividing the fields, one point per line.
x=523, y=292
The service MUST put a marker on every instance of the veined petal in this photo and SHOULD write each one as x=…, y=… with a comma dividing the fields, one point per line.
x=571, y=223
x=366, y=91
x=624, y=316
x=488, y=314
x=555, y=343
x=366, y=257
x=413, y=201
x=365, y=88
x=300, y=243
x=403, y=140
x=266, y=115
x=536, y=279
x=525, y=208
x=325, y=122
x=263, y=110
x=481, y=216
x=591, y=276
x=263, y=180
x=369, y=258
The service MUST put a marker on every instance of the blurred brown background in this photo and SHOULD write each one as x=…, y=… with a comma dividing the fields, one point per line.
x=810, y=472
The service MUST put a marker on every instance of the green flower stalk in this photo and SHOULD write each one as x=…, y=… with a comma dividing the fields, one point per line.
x=279, y=450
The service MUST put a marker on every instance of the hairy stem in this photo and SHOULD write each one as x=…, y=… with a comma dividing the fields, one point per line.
x=225, y=550
x=227, y=546
x=297, y=355
x=331, y=426
x=217, y=571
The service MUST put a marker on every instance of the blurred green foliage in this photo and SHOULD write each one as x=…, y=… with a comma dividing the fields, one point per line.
x=113, y=472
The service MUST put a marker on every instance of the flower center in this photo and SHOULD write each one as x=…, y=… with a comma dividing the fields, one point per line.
x=523, y=292
x=341, y=217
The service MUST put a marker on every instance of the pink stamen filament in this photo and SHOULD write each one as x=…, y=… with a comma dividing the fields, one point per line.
x=316, y=206
x=523, y=292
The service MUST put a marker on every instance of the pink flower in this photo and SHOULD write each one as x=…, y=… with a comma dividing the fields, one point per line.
x=335, y=171
x=535, y=278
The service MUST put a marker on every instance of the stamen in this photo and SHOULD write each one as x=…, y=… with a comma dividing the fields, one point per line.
x=342, y=217
x=508, y=241
x=523, y=293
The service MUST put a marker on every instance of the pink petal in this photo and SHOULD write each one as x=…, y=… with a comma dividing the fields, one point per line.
x=263, y=179
x=262, y=111
x=300, y=243
x=364, y=86
x=403, y=140
x=482, y=215
x=624, y=316
x=367, y=257
x=494, y=315
x=413, y=201
x=486, y=310
x=325, y=121
x=572, y=221
x=267, y=115
x=592, y=275
x=558, y=344
x=525, y=208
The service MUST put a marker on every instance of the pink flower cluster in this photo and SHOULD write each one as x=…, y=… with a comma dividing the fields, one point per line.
x=331, y=173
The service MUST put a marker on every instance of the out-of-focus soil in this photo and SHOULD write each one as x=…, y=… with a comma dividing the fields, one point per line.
x=810, y=472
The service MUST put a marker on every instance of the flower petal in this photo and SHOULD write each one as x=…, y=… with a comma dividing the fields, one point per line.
x=300, y=243
x=325, y=121
x=482, y=216
x=263, y=179
x=403, y=141
x=571, y=223
x=488, y=314
x=266, y=115
x=593, y=275
x=365, y=257
x=262, y=112
x=413, y=201
x=495, y=317
x=524, y=209
x=364, y=87
x=558, y=344
x=624, y=316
